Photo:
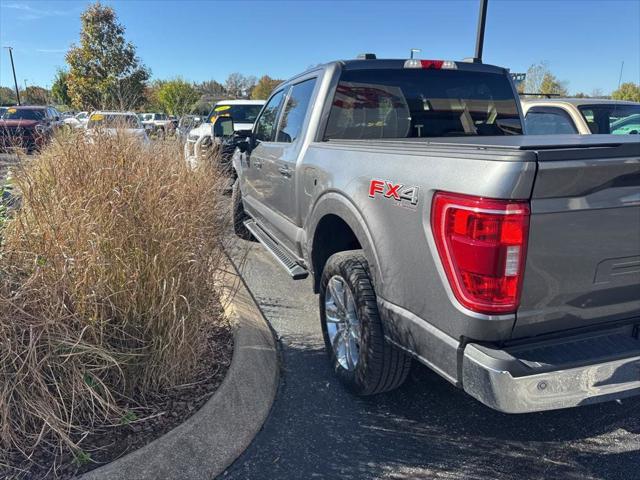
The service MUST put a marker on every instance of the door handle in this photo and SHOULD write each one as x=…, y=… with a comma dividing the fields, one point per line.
x=284, y=171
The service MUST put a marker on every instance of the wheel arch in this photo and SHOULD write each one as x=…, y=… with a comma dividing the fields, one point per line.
x=336, y=225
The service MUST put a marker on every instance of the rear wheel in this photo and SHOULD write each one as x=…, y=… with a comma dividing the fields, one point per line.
x=238, y=214
x=359, y=354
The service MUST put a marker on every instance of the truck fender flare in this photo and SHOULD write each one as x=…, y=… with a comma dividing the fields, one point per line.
x=336, y=204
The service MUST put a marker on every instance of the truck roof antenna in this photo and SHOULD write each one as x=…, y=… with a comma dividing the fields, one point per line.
x=482, y=19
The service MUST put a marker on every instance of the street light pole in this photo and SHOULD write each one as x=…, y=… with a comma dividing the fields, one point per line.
x=482, y=20
x=15, y=82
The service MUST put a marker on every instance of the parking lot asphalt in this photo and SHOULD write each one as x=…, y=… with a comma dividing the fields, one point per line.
x=425, y=429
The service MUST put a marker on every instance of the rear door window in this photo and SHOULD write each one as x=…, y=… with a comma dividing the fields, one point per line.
x=295, y=111
x=266, y=123
x=410, y=103
x=548, y=121
x=618, y=119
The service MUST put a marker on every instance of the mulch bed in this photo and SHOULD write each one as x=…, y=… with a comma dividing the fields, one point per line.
x=162, y=412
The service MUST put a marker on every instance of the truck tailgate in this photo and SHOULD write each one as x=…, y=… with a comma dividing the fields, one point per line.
x=583, y=259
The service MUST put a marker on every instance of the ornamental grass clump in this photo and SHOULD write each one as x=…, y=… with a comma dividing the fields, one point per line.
x=107, y=284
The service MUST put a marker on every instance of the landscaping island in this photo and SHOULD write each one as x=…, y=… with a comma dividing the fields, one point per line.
x=111, y=302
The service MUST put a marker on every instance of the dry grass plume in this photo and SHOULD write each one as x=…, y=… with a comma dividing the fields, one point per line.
x=106, y=284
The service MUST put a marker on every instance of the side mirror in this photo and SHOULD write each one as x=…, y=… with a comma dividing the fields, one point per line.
x=244, y=146
x=223, y=127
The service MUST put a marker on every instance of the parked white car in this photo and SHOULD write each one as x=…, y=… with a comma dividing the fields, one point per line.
x=112, y=122
x=79, y=120
x=243, y=113
x=586, y=116
x=157, y=123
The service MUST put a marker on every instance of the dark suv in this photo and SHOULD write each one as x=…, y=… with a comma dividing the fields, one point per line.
x=27, y=127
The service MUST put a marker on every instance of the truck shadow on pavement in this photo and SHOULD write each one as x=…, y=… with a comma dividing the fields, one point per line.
x=425, y=429
x=428, y=428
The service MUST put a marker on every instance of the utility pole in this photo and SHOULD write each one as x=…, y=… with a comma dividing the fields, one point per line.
x=620, y=77
x=482, y=19
x=15, y=82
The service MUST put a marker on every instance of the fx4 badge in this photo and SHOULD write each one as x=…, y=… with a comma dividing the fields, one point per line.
x=396, y=191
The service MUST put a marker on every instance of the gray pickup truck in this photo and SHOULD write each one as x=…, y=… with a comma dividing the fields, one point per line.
x=434, y=229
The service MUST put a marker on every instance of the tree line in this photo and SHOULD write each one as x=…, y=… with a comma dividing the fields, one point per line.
x=104, y=72
x=540, y=80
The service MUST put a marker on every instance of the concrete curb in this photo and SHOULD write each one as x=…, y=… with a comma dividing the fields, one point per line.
x=211, y=439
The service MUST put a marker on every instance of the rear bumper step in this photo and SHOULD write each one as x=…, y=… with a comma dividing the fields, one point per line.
x=296, y=270
x=547, y=376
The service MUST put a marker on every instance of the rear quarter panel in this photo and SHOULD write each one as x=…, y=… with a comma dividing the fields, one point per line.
x=407, y=268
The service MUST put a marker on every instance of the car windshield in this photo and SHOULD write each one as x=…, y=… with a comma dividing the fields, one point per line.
x=101, y=120
x=414, y=103
x=239, y=113
x=618, y=119
x=23, y=114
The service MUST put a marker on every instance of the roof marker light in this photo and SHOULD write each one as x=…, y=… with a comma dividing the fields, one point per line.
x=412, y=63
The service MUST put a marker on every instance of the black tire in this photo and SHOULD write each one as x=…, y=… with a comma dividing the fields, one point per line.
x=238, y=214
x=381, y=366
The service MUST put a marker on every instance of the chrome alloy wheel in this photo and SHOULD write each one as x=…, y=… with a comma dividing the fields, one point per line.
x=343, y=327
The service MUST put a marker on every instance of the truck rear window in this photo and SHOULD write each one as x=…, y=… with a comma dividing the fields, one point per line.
x=410, y=103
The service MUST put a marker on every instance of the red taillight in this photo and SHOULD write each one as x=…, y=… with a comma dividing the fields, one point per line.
x=482, y=243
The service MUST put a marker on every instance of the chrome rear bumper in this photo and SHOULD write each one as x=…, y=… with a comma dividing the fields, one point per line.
x=500, y=389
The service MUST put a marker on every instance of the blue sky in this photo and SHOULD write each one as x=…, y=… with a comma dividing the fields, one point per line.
x=584, y=42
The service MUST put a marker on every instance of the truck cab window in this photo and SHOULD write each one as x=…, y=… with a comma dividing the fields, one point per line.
x=408, y=103
x=265, y=125
x=295, y=111
x=548, y=121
